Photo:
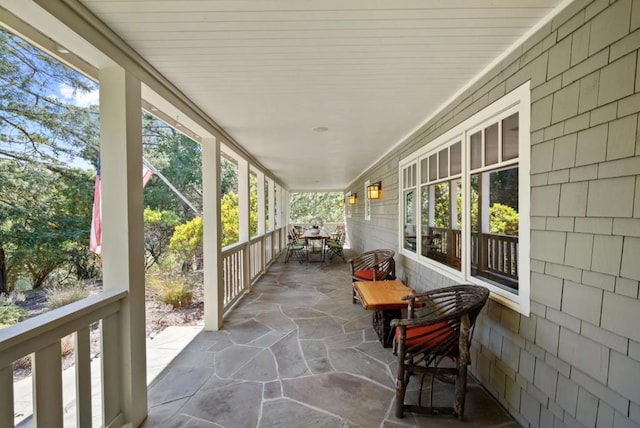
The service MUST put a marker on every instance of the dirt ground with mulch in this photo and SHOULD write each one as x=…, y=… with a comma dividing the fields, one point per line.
x=158, y=317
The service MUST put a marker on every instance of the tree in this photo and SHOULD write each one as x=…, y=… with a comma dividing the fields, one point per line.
x=304, y=207
x=35, y=124
x=158, y=230
x=39, y=128
x=186, y=242
x=230, y=219
x=179, y=159
x=43, y=216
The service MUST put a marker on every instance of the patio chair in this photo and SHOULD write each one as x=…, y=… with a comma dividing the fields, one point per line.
x=375, y=265
x=439, y=325
x=335, y=247
x=295, y=247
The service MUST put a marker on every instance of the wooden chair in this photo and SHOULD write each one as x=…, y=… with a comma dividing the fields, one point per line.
x=439, y=325
x=375, y=265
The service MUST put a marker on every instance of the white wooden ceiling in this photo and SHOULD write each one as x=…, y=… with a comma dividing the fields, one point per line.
x=269, y=71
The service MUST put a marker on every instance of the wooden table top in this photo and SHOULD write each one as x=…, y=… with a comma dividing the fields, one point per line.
x=382, y=294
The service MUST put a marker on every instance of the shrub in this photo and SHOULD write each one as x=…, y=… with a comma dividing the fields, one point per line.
x=63, y=295
x=11, y=314
x=172, y=290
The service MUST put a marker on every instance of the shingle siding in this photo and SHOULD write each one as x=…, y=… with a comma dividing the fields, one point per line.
x=575, y=361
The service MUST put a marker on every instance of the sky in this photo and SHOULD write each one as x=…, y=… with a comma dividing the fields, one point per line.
x=80, y=99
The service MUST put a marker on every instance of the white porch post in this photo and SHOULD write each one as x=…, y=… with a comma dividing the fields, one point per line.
x=272, y=207
x=244, y=207
x=123, y=238
x=243, y=200
x=212, y=231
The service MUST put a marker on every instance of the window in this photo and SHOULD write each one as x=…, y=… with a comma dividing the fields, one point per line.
x=367, y=202
x=468, y=215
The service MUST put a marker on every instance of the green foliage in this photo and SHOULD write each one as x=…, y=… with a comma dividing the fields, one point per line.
x=304, y=207
x=44, y=216
x=230, y=218
x=179, y=159
x=11, y=314
x=186, y=243
x=158, y=230
x=35, y=125
x=503, y=219
x=172, y=290
x=63, y=295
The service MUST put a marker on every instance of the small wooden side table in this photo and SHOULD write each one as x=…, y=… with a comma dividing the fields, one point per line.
x=385, y=299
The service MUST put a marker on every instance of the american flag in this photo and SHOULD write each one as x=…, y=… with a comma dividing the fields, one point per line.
x=95, y=239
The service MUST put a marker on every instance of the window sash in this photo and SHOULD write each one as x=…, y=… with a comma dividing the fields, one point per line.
x=516, y=102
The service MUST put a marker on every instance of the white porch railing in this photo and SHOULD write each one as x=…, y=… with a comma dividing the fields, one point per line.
x=41, y=336
x=244, y=263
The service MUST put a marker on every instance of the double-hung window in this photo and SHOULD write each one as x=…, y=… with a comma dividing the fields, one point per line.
x=465, y=201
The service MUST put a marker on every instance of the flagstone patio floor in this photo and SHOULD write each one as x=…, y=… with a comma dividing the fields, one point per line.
x=296, y=352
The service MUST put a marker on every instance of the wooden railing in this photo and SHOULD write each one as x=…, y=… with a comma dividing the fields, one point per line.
x=40, y=336
x=496, y=257
x=443, y=245
x=493, y=256
x=244, y=263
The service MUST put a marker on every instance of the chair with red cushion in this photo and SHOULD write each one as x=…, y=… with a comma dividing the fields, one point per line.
x=375, y=265
x=439, y=326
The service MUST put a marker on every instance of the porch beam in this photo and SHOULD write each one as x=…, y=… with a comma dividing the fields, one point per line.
x=212, y=235
x=123, y=229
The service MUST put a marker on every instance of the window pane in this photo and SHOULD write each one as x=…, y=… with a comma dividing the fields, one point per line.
x=412, y=180
x=439, y=241
x=494, y=229
x=443, y=163
x=424, y=217
x=491, y=145
x=409, y=221
x=476, y=150
x=424, y=170
x=433, y=167
x=456, y=159
x=510, y=129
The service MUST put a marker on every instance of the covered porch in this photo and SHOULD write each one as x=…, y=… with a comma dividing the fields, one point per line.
x=426, y=83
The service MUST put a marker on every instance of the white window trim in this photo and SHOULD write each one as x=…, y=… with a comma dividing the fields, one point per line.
x=367, y=201
x=347, y=205
x=517, y=100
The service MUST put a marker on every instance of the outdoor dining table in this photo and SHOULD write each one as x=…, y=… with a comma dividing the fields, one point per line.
x=385, y=299
x=316, y=242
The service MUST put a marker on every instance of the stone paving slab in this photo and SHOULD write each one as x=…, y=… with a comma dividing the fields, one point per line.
x=295, y=352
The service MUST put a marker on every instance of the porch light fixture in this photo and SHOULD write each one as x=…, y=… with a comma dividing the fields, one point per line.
x=341, y=203
x=353, y=198
x=374, y=191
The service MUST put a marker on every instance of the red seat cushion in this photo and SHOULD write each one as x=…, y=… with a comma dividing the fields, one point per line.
x=428, y=335
x=367, y=274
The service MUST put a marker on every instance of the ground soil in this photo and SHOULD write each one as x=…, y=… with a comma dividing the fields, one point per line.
x=158, y=317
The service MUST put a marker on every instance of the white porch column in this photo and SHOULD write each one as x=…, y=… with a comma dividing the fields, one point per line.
x=261, y=204
x=123, y=234
x=272, y=205
x=278, y=197
x=212, y=232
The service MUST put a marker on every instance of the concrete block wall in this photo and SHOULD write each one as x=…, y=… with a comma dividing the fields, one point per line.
x=575, y=361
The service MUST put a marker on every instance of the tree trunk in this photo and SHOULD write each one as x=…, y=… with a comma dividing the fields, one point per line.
x=4, y=286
